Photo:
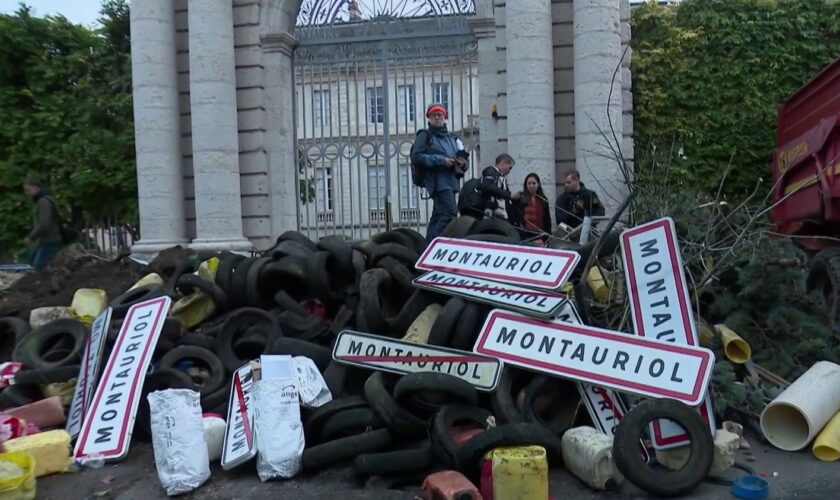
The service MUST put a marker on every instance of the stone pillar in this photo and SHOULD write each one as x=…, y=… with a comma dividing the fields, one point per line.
x=530, y=92
x=484, y=29
x=218, y=204
x=156, y=127
x=597, y=56
x=279, y=96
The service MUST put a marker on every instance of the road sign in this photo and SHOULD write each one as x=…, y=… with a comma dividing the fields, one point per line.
x=533, y=267
x=524, y=300
x=106, y=431
x=239, y=444
x=88, y=373
x=397, y=356
x=616, y=360
x=660, y=307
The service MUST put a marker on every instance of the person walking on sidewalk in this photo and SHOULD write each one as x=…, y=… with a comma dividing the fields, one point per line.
x=444, y=161
x=44, y=241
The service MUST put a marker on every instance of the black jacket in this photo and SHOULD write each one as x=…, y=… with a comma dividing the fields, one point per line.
x=494, y=194
x=516, y=215
x=567, y=210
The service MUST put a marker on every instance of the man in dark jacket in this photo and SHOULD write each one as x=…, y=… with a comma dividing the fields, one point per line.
x=44, y=241
x=444, y=160
x=576, y=202
x=495, y=194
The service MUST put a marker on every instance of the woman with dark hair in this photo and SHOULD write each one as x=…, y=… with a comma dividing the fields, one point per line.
x=534, y=216
x=44, y=241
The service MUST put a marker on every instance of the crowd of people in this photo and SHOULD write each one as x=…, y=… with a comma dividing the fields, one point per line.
x=441, y=160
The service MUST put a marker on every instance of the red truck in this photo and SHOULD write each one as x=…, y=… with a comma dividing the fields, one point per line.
x=806, y=178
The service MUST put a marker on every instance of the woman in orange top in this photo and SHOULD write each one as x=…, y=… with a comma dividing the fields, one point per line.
x=534, y=216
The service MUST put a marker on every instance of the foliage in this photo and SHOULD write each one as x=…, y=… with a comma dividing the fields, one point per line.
x=707, y=77
x=65, y=92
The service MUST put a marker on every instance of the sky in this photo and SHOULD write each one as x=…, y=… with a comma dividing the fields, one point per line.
x=78, y=11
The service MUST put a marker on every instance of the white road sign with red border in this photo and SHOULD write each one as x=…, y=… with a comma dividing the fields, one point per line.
x=533, y=267
x=615, y=360
x=397, y=356
x=239, y=444
x=659, y=305
x=88, y=373
x=106, y=431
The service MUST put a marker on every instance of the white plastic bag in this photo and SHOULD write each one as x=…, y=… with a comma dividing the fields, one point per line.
x=178, y=440
x=279, y=431
x=312, y=387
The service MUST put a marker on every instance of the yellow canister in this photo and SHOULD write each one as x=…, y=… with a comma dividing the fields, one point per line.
x=520, y=472
x=598, y=285
x=88, y=303
x=17, y=478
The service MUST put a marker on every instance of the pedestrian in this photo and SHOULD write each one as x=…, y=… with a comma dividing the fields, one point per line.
x=44, y=241
x=533, y=215
x=576, y=202
x=495, y=196
x=442, y=157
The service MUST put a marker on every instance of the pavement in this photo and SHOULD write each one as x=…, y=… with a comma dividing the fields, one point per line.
x=791, y=475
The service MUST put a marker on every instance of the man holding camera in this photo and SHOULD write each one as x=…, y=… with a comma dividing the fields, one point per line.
x=444, y=160
x=576, y=202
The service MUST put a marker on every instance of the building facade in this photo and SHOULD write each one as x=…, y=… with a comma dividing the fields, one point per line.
x=257, y=116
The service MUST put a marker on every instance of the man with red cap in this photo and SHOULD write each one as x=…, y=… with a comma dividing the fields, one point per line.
x=443, y=160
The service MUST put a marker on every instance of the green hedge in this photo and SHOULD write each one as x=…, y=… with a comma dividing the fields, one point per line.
x=707, y=77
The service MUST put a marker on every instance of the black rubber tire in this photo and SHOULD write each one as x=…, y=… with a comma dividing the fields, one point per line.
x=410, y=389
x=405, y=255
x=187, y=265
x=496, y=226
x=239, y=283
x=254, y=289
x=663, y=482
x=394, y=462
x=307, y=327
x=217, y=377
x=401, y=275
x=341, y=250
x=349, y=423
x=320, y=355
x=217, y=399
x=564, y=390
x=393, y=237
x=503, y=400
x=299, y=237
x=47, y=376
x=290, y=274
x=469, y=454
x=366, y=248
x=416, y=304
x=335, y=375
x=198, y=339
x=465, y=332
x=824, y=279
x=491, y=237
x=224, y=272
x=188, y=282
x=12, y=331
x=446, y=322
x=285, y=302
x=324, y=277
x=376, y=302
x=347, y=448
x=158, y=380
x=359, y=265
x=121, y=304
x=18, y=395
x=314, y=422
x=39, y=342
x=291, y=247
x=440, y=434
x=418, y=240
x=397, y=418
x=459, y=227
x=236, y=325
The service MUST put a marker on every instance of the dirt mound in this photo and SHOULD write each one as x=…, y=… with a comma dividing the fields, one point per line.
x=69, y=272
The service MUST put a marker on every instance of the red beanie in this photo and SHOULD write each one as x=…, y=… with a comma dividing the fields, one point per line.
x=436, y=108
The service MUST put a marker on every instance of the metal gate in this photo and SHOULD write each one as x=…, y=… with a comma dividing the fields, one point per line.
x=363, y=81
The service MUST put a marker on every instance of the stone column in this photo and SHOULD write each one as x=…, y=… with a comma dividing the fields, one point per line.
x=530, y=92
x=597, y=56
x=156, y=127
x=279, y=137
x=484, y=30
x=218, y=203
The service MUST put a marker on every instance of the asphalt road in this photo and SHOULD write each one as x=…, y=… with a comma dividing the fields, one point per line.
x=791, y=475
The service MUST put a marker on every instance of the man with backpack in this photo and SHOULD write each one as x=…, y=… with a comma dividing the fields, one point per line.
x=44, y=241
x=489, y=195
x=438, y=161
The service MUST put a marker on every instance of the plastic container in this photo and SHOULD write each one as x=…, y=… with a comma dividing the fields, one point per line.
x=794, y=418
x=22, y=486
x=421, y=327
x=88, y=303
x=149, y=279
x=736, y=349
x=450, y=485
x=520, y=472
x=214, y=434
x=587, y=453
x=827, y=445
x=598, y=285
x=193, y=309
x=750, y=487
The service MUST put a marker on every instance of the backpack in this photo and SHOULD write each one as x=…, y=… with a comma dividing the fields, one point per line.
x=67, y=231
x=418, y=172
x=469, y=199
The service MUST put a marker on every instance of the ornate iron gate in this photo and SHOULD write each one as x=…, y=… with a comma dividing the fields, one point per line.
x=364, y=73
